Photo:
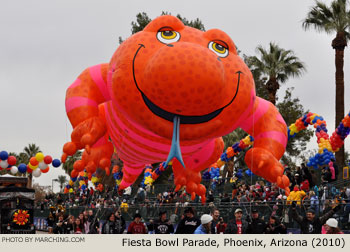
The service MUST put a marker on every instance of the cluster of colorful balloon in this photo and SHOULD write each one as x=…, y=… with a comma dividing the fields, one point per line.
x=234, y=150
x=147, y=176
x=341, y=132
x=8, y=162
x=38, y=161
x=69, y=188
x=326, y=146
x=214, y=172
x=117, y=175
x=151, y=176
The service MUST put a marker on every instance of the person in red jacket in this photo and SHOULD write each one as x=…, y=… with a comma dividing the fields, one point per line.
x=305, y=185
x=137, y=226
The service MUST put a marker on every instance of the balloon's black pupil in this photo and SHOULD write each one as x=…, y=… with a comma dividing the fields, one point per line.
x=168, y=33
x=219, y=47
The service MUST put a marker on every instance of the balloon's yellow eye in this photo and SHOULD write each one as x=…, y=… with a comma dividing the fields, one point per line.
x=218, y=48
x=168, y=35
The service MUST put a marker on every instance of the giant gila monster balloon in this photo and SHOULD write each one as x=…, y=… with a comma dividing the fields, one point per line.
x=170, y=92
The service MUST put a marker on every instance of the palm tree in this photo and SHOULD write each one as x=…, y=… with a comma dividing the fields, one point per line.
x=277, y=64
x=62, y=180
x=68, y=165
x=333, y=19
x=29, y=151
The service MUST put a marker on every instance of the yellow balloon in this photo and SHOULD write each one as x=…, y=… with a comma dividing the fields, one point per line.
x=71, y=183
x=71, y=190
x=32, y=166
x=39, y=156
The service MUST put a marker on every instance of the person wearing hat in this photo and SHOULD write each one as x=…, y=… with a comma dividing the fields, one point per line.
x=256, y=224
x=205, y=227
x=331, y=227
x=189, y=223
x=310, y=224
x=237, y=225
x=163, y=225
x=137, y=226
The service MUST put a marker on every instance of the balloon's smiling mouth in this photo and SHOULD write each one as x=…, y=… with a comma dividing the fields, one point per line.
x=183, y=118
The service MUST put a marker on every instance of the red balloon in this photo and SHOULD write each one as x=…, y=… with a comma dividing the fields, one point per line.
x=11, y=160
x=45, y=170
x=74, y=174
x=47, y=159
x=29, y=170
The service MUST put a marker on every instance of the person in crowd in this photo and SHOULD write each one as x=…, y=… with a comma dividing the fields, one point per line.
x=307, y=175
x=305, y=185
x=137, y=226
x=127, y=192
x=336, y=168
x=70, y=225
x=210, y=197
x=256, y=224
x=237, y=225
x=94, y=227
x=163, y=225
x=189, y=223
x=109, y=227
x=314, y=202
x=326, y=176
x=331, y=227
x=221, y=226
x=274, y=226
x=215, y=214
x=119, y=222
x=81, y=217
x=310, y=224
x=205, y=227
x=296, y=195
x=78, y=226
x=51, y=219
x=124, y=206
x=150, y=226
x=60, y=226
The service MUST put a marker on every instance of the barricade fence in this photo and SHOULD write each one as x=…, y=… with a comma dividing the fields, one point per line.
x=151, y=210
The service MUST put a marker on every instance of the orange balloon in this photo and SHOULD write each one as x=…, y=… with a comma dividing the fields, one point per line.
x=33, y=161
x=168, y=73
x=79, y=165
x=70, y=148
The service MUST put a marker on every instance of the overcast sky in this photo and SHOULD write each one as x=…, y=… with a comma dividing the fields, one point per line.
x=45, y=44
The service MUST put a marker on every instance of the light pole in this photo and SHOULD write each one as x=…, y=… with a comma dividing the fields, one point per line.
x=56, y=180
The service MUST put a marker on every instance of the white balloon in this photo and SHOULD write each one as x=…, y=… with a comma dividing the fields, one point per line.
x=36, y=173
x=4, y=164
x=42, y=165
x=14, y=170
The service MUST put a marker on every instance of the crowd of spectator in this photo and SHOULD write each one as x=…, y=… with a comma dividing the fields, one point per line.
x=309, y=208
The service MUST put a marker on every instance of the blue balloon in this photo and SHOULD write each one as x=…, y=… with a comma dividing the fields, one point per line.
x=4, y=155
x=22, y=168
x=74, y=179
x=56, y=163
